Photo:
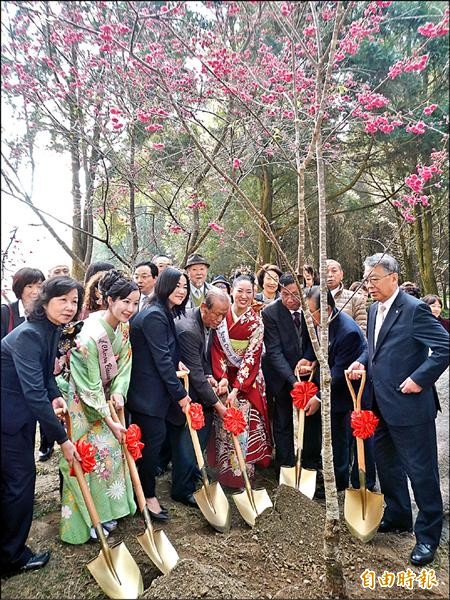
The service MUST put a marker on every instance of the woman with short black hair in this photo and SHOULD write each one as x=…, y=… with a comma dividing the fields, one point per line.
x=157, y=398
x=29, y=394
x=25, y=285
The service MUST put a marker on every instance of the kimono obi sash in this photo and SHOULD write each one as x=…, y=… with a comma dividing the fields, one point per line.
x=239, y=344
x=229, y=345
x=106, y=358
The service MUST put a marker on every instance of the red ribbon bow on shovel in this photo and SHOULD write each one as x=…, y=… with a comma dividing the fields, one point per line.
x=87, y=451
x=363, y=423
x=197, y=416
x=234, y=421
x=302, y=392
x=133, y=441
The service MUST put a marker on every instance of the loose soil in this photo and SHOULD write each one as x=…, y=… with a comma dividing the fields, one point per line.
x=281, y=557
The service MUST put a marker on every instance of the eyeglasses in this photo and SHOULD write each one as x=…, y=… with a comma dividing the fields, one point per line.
x=375, y=279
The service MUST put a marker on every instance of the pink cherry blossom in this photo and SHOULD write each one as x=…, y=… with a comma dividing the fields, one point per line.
x=430, y=109
x=175, y=229
x=236, y=163
x=414, y=182
x=158, y=146
x=418, y=128
x=216, y=227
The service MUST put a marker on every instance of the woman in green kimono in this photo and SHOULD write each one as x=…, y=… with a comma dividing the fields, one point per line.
x=100, y=366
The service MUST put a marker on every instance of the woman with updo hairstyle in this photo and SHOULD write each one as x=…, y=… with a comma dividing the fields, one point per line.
x=93, y=299
x=236, y=364
x=99, y=372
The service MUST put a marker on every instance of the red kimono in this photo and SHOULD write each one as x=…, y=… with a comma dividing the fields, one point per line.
x=236, y=355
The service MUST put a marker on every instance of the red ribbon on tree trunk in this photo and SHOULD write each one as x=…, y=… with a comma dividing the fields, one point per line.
x=133, y=441
x=363, y=423
x=197, y=416
x=234, y=421
x=87, y=452
x=302, y=392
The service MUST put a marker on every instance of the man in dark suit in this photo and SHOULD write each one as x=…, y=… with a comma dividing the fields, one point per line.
x=346, y=342
x=401, y=372
x=195, y=331
x=286, y=342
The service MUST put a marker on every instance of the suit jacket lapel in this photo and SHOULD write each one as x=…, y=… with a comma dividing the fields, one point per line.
x=390, y=319
x=289, y=326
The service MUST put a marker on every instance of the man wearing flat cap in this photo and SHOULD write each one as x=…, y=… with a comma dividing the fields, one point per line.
x=197, y=270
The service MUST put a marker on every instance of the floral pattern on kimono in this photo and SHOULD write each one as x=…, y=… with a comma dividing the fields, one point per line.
x=246, y=337
x=87, y=399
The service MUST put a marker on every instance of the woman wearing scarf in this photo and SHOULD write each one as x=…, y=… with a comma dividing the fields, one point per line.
x=100, y=367
x=236, y=363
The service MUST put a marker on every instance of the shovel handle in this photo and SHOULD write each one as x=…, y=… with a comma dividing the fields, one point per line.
x=356, y=399
x=85, y=491
x=307, y=368
x=241, y=461
x=130, y=461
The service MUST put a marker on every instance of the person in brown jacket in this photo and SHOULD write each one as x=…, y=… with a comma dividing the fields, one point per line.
x=351, y=303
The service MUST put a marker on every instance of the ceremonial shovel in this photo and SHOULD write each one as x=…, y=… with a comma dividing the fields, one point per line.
x=363, y=510
x=210, y=497
x=154, y=543
x=250, y=503
x=114, y=569
x=298, y=477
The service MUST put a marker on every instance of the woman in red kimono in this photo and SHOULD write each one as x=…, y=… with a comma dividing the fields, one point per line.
x=236, y=364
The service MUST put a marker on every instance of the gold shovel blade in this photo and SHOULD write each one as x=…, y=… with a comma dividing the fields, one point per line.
x=159, y=550
x=261, y=501
x=129, y=585
x=214, y=505
x=363, y=526
x=307, y=483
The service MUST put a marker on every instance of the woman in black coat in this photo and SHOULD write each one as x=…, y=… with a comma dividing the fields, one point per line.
x=156, y=397
x=29, y=394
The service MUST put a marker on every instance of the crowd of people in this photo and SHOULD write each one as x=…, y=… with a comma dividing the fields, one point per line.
x=71, y=349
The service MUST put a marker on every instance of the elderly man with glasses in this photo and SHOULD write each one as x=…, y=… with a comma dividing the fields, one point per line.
x=407, y=351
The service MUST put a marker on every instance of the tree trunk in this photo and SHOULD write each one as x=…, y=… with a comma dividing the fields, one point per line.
x=132, y=203
x=423, y=226
x=266, y=204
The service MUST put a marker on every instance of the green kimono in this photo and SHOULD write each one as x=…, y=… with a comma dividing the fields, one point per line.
x=87, y=390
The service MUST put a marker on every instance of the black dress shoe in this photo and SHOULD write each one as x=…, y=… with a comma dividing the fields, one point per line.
x=387, y=527
x=187, y=500
x=161, y=516
x=37, y=561
x=422, y=554
x=45, y=454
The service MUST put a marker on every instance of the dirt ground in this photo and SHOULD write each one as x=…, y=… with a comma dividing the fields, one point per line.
x=281, y=557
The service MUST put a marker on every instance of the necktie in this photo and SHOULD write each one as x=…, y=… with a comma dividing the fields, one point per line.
x=296, y=317
x=381, y=313
x=196, y=291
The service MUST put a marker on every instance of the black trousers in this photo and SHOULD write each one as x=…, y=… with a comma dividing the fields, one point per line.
x=410, y=452
x=283, y=434
x=17, y=480
x=188, y=472
x=154, y=430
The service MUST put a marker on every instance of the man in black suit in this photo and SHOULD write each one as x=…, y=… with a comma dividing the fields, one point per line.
x=195, y=331
x=286, y=342
x=401, y=372
x=346, y=342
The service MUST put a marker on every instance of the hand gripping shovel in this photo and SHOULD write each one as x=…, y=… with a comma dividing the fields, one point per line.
x=210, y=497
x=154, y=543
x=363, y=510
x=297, y=477
x=114, y=569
